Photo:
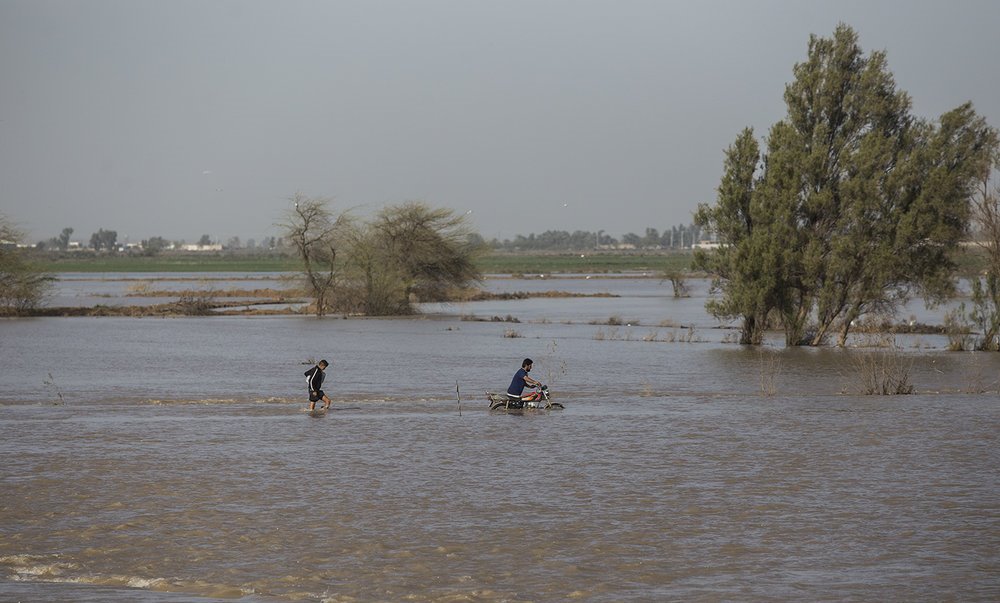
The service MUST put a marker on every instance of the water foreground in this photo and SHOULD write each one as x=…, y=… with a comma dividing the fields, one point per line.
x=180, y=465
x=687, y=498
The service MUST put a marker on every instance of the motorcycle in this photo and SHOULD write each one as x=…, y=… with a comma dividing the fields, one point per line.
x=538, y=399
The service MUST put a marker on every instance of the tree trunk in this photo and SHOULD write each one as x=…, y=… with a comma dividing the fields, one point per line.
x=991, y=318
x=750, y=334
x=795, y=325
x=852, y=315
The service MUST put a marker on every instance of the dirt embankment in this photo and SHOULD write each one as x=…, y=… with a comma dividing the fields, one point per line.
x=472, y=295
x=221, y=302
x=180, y=308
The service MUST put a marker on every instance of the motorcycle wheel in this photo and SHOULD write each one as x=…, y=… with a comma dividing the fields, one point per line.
x=557, y=406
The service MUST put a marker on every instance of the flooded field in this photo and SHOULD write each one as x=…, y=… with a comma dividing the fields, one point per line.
x=169, y=459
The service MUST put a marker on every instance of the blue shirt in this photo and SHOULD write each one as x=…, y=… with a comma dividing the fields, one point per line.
x=517, y=384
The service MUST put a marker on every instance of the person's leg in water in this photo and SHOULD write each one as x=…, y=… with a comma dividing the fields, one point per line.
x=327, y=402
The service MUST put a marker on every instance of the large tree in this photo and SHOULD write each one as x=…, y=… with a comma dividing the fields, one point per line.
x=740, y=266
x=855, y=205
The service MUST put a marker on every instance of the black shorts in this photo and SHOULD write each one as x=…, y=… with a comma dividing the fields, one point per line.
x=316, y=396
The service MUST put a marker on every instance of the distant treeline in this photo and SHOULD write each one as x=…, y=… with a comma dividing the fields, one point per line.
x=676, y=237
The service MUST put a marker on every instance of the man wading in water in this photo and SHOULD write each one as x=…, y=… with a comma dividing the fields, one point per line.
x=315, y=377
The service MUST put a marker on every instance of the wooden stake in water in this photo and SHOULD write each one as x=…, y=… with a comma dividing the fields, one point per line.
x=52, y=383
x=459, y=396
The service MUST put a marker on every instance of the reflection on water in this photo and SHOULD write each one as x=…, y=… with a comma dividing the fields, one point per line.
x=181, y=466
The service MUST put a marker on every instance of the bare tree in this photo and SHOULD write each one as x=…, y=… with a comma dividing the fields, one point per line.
x=316, y=232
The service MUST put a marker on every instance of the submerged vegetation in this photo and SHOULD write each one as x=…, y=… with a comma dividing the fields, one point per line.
x=881, y=368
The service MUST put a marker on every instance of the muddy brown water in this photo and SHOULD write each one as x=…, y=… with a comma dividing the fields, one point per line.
x=181, y=466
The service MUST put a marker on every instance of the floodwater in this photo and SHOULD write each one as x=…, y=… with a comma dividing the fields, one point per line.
x=169, y=459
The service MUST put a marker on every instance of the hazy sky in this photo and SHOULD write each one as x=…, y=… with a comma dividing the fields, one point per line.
x=182, y=118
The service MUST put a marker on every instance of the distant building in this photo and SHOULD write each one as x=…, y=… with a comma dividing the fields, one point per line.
x=212, y=247
x=706, y=245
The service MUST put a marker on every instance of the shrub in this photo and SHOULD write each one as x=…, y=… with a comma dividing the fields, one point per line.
x=883, y=370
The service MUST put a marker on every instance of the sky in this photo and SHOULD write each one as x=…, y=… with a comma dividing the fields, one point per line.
x=183, y=118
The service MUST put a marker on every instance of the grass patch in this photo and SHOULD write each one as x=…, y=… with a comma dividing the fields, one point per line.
x=588, y=263
x=970, y=262
x=495, y=263
x=169, y=263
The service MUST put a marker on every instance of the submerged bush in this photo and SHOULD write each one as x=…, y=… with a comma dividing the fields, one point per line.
x=883, y=370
